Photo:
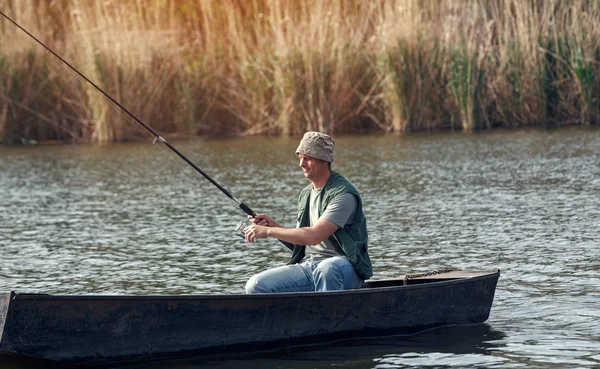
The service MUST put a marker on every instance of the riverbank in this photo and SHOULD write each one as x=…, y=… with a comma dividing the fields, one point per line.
x=273, y=67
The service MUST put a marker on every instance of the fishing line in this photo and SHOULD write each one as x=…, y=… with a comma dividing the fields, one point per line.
x=154, y=135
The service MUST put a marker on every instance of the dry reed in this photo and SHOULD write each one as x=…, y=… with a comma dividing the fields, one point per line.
x=276, y=67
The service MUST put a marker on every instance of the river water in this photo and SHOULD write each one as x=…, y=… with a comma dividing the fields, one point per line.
x=135, y=219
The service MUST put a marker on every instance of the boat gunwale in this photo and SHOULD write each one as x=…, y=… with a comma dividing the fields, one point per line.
x=482, y=275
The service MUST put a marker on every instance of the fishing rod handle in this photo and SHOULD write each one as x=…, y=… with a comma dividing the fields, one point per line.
x=247, y=210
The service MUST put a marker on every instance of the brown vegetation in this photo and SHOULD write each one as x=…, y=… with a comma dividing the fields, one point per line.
x=235, y=67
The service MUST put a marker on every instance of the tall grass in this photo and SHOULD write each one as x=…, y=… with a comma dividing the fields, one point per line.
x=276, y=67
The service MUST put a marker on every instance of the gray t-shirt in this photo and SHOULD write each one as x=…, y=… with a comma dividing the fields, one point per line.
x=340, y=211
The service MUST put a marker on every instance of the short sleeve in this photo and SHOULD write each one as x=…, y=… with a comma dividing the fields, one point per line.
x=341, y=209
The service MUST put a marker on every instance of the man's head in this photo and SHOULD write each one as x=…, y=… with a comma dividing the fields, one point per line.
x=316, y=154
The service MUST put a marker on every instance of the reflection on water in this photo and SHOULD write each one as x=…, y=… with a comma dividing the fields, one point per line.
x=130, y=218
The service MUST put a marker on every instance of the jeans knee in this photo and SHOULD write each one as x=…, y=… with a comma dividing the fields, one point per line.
x=332, y=267
x=253, y=285
x=335, y=274
x=260, y=283
x=327, y=270
x=328, y=277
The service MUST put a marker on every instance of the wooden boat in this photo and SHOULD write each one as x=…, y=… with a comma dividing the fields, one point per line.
x=91, y=329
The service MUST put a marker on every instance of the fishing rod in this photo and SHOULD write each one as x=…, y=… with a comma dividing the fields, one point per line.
x=157, y=136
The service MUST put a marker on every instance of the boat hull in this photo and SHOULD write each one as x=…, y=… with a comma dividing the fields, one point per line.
x=95, y=328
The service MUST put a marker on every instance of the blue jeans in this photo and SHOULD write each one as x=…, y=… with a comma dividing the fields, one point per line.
x=334, y=273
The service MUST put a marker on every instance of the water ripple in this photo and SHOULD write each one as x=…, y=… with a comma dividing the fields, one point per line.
x=127, y=219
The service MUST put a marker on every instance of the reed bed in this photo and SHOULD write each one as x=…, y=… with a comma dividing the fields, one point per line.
x=276, y=67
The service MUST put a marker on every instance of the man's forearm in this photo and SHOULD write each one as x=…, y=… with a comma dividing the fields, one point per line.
x=312, y=235
x=297, y=236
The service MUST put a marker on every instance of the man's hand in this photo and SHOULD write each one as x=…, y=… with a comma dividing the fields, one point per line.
x=254, y=231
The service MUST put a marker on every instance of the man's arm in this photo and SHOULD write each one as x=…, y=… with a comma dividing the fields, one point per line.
x=337, y=213
x=312, y=235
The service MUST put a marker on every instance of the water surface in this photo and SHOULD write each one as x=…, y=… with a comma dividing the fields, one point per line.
x=134, y=219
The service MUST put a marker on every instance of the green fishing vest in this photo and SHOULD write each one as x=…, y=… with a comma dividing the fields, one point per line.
x=351, y=240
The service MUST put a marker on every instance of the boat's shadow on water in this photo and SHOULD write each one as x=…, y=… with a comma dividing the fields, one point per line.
x=9, y=361
x=462, y=343
x=389, y=352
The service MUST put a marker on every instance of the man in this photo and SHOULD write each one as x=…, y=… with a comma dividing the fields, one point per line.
x=329, y=244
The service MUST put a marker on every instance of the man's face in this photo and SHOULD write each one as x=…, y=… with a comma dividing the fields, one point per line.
x=311, y=167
